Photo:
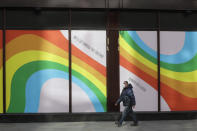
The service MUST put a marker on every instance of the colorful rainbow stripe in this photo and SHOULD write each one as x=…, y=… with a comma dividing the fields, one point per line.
x=136, y=60
x=178, y=72
x=33, y=57
x=179, y=76
x=93, y=74
x=1, y=72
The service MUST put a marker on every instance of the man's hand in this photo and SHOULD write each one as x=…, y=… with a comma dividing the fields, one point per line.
x=115, y=104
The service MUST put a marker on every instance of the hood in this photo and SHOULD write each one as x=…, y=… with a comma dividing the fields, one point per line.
x=130, y=86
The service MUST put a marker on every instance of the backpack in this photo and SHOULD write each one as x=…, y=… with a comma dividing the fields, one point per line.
x=126, y=100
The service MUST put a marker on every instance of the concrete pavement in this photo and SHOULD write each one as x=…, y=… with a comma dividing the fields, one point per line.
x=171, y=125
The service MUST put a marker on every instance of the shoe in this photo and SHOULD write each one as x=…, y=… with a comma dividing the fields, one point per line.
x=116, y=122
x=134, y=124
x=119, y=125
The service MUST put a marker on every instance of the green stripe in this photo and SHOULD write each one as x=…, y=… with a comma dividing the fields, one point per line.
x=183, y=67
x=17, y=98
x=125, y=35
x=96, y=91
x=18, y=85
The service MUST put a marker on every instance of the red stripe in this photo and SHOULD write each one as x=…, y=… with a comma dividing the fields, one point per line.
x=138, y=72
x=53, y=36
x=175, y=100
x=1, y=40
x=56, y=37
x=82, y=56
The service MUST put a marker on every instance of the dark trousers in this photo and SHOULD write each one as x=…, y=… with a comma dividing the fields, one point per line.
x=128, y=111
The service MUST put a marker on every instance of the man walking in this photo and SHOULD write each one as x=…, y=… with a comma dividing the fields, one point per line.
x=128, y=99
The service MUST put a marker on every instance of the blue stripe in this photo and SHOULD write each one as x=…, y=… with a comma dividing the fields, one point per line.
x=188, y=51
x=36, y=81
x=97, y=105
x=142, y=45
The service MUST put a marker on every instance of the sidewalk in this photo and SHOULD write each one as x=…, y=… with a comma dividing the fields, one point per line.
x=173, y=125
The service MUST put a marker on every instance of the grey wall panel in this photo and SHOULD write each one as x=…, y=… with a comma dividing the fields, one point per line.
x=54, y=3
x=1, y=18
x=131, y=4
x=88, y=19
x=160, y=4
x=30, y=18
x=178, y=21
x=134, y=19
x=115, y=3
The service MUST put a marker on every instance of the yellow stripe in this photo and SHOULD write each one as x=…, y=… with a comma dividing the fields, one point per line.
x=181, y=76
x=137, y=63
x=18, y=60
x=90, y=77
x=186, y=88
x=34, y=43
x=1, y=90
x=136, y=55
x=89, y=68
x=1, y=57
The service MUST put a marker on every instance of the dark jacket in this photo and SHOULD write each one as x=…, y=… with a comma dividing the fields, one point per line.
x=127, y=96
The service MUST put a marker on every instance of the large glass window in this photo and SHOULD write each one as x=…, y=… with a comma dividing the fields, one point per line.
x=37, y=71
x=88, y=71
x=138, y=66
x=1, y=72
x=178, y=70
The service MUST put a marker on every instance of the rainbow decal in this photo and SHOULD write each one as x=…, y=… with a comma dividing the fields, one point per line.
x=1, y=72
x=92, y=73
x=179, y=70
x=178, y=66
x=36, y=68
x=32, y=59
x=138, y=65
